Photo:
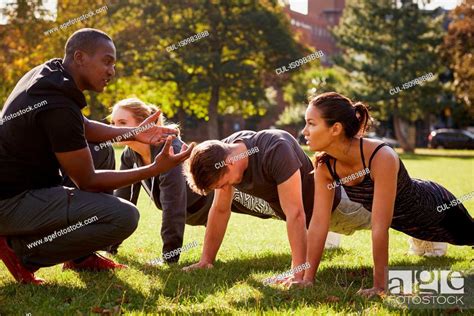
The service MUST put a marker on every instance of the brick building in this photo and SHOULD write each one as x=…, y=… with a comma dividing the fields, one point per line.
x=313, y=19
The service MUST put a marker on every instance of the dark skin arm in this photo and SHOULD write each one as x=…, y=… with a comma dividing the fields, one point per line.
x=79, y=166
x=97, y=132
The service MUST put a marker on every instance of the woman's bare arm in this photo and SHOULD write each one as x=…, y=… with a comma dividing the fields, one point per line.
x=319, y=225
x=384, y=172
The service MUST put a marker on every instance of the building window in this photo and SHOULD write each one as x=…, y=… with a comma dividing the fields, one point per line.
x=300, y=6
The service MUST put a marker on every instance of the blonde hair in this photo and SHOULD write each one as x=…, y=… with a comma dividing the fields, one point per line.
x=140, y=111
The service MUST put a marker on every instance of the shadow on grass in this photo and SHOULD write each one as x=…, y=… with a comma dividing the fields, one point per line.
x=335, y=288
x=239, y=280
x=101, y=290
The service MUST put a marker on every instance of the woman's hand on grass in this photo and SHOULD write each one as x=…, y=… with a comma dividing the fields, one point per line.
x=284, y=280
x=198, y=266
x=291, y=282
x=299, y=284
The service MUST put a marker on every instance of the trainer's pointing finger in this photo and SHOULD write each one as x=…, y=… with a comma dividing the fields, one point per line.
x=166, y=149
x=183, y=155
x=152, y=118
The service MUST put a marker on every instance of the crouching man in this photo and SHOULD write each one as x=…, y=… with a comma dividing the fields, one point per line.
x=43, y=131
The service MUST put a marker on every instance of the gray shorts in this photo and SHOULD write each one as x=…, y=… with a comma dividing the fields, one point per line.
x=54, y=225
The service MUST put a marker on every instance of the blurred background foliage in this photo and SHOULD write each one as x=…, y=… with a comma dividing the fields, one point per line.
x=231, y=72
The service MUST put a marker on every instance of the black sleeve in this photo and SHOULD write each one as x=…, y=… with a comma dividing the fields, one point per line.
x=281, y=162
x=173, y=200
x=64, y=128
x=132, y=192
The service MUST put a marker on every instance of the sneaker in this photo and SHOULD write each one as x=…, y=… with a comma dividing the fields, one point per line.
x=156, y=263
x=13, y=264
x=332, y=241
x=438, y=249
x=427, y=248
x=94, y=262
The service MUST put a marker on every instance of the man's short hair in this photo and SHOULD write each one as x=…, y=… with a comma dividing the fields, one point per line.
x=206, y=165
x=86, y=39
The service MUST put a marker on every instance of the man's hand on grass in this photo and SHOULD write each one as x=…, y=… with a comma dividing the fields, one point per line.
x=198, y=266
x=372, y=292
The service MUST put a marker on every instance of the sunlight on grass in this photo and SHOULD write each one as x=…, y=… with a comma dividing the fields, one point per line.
x=253, y=250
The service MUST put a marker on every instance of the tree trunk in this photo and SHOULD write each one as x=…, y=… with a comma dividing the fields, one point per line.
x=212, y=125
x=95, y=107
x=402, y=140
x=181, y=115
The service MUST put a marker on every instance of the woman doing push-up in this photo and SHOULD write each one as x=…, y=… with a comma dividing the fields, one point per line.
x=372, y=174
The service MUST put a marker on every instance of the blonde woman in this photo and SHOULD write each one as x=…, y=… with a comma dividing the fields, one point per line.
x=169, y=191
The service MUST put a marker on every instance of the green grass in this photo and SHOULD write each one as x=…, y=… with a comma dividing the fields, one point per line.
x=253, y=249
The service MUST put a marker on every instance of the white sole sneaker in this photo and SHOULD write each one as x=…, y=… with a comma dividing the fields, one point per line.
x=427, y=248
x=332, y=241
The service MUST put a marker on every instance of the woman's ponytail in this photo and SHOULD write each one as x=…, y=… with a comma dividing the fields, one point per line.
x=363, y=116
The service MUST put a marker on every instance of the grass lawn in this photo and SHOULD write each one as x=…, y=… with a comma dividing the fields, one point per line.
x=253, y=249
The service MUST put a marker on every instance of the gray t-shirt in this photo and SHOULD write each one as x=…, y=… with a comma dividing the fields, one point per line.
x=275, y=158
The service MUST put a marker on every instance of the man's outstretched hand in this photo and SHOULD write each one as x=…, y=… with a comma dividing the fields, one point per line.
x=167, y=159
x=152, y=134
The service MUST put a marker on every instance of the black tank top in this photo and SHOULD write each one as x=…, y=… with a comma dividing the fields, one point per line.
x=415, y=211
x=364, y=192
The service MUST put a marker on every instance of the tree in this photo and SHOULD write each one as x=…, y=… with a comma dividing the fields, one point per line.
x=22, y=48
x=457, y=48
x=386, y=45
x=226, y=72
x=33, y=35
x=305, y=84
x=222, y=73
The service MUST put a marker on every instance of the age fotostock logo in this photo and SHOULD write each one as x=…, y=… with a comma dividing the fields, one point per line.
x=425, y=288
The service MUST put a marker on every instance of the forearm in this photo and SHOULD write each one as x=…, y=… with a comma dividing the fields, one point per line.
x=102, y=180
x=316, y=241
x=296, y=228
x=215, y=231
x=380, y=255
